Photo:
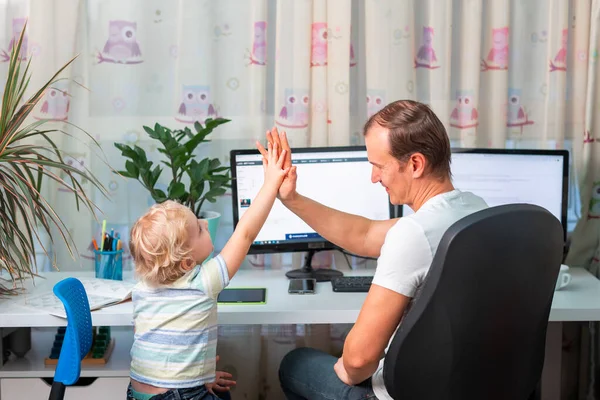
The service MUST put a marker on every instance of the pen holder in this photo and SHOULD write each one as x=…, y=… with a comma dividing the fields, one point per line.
x=109, y=264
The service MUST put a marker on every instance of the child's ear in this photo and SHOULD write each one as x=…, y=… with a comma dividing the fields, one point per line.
x=188, y=263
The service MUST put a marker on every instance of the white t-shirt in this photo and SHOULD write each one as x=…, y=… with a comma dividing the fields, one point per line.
x=409, y=248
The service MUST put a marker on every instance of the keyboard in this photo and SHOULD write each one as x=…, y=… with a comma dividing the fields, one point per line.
x=351, y=283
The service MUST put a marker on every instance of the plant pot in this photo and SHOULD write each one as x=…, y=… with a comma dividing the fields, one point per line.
x=213, y=218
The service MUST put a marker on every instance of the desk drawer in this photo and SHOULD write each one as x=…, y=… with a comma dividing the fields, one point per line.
x=35, y=388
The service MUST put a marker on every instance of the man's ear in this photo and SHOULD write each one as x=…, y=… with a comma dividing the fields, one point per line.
x=417, y=163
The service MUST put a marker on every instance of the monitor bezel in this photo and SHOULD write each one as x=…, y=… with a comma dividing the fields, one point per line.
x=295, y=246
x=529, y=152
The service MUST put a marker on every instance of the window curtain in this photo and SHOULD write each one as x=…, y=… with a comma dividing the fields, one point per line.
x=502, y=73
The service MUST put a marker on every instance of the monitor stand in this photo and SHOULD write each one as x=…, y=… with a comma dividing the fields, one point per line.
x=320, y=274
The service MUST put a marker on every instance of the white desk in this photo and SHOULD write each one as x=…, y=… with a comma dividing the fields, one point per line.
x=325, y=307
x=580, y=301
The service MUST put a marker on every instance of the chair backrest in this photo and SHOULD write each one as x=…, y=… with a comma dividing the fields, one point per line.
x=78, y=335
x=477, y=329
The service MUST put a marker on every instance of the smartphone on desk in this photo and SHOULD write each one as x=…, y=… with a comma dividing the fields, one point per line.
x=302, y=286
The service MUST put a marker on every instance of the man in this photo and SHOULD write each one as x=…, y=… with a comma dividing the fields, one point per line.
x=410, y=153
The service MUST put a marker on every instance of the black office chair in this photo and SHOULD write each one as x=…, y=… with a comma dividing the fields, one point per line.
x=477, y=329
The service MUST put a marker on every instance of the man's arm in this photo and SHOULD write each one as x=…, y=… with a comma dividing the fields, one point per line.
x=405, y=259
x=365, y=344
x=356, y=234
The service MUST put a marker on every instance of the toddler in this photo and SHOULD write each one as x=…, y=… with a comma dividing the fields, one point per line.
x=175, y=301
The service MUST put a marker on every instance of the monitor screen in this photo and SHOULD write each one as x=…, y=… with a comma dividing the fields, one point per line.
x=500, y=177
x=338, y=177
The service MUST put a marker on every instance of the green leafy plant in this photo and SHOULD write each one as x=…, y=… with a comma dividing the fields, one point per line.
x=206, y=179
x=28, y=156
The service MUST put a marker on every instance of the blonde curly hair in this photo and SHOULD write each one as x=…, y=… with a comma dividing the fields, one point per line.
x=159, y=243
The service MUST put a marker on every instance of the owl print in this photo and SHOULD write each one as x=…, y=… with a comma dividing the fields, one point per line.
x=516, y=115
x=318, y=55
x=594, y=209
x=122, y=46
x=375, y=101
x=18, y=24
x=295, y=112
x=259, y=44
x=464, y=115
x=560, y=60
x=426, y=57
x=195, y=104
x=497, y=58
x=55, y=104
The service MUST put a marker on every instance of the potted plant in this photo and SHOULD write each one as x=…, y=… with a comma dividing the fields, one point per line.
x=193, y=181
x=29, y=155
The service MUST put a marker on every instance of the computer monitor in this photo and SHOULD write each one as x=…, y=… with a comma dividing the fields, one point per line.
x=338, y=177
x=503, y=176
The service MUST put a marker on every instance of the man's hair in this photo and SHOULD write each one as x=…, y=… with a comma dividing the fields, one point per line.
x=414, y=128
x=159, y=244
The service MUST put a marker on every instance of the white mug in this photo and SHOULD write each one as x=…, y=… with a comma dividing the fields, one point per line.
x=564, y=277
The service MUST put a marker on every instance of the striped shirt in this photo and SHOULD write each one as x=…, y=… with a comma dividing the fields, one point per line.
x=175, y=341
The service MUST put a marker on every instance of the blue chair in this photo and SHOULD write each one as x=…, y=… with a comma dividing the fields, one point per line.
x=78, y=336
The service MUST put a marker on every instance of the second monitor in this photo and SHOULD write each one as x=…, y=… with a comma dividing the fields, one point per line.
x=338, y=177
x=505, y=176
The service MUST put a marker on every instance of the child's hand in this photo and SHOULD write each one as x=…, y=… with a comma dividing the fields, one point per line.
x=222, y=383
x=273, y=165
x=287, y=190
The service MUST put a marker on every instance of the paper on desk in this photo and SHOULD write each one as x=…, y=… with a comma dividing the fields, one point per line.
x=101, y=293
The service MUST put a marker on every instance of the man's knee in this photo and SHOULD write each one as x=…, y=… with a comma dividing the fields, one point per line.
x=300, y=359
x=293, y=367
x=293, y=359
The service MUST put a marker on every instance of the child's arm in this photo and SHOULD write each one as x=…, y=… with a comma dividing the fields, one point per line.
x=253, y=219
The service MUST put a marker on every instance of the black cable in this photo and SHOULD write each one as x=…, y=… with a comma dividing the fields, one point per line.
x=346, y=257
x=346, y=254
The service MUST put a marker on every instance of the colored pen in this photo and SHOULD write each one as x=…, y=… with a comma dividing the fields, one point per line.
x=107, y=243
x=95, y=244
x=103, y=233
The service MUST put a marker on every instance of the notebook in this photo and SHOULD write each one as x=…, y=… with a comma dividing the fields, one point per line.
x=101, y=293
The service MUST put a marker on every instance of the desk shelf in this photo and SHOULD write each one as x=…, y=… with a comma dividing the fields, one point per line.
x=32, y=365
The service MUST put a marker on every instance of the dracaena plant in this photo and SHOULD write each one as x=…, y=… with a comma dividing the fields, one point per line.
x=193, y=181
x=29, y=156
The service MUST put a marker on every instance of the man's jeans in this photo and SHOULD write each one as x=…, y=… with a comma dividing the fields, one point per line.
x=195, y=393
x=308, y=374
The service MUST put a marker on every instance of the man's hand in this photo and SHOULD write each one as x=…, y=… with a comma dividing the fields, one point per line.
x=341, y=372
x=278, y=140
